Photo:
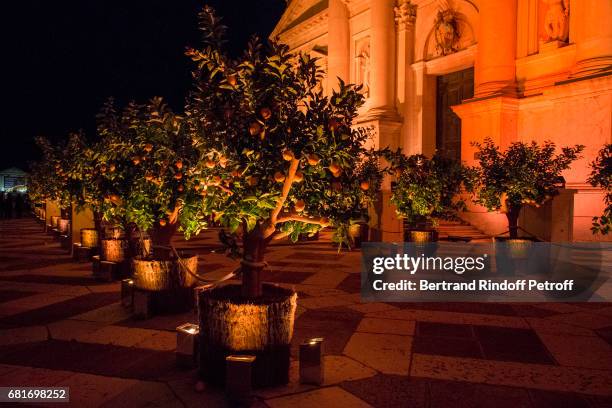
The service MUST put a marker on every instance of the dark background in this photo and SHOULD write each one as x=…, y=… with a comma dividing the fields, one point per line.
x=62, y=59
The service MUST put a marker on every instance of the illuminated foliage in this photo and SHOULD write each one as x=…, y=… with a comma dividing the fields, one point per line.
x=601, y=176
x=426, y=189
x=280, y=158
x=524, y=174
x=146, y=170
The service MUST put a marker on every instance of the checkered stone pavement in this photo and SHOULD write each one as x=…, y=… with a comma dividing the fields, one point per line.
x=59, y=327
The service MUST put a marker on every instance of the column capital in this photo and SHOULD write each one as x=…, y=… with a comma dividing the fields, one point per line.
x=405, y=14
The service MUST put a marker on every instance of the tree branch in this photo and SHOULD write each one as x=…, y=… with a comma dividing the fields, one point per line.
x=279, y=235
x=324, y=222
x=223, y=188
x=286, y=188
x=271, y=224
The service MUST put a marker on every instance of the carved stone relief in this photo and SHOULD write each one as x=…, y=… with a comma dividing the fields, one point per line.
x=446, y=32
x=363, y=64
x=556, y=20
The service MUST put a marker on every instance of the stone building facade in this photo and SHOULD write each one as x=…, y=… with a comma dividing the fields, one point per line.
x=440, y=74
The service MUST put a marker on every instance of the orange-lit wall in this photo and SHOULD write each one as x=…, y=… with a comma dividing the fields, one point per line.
x=528, y=85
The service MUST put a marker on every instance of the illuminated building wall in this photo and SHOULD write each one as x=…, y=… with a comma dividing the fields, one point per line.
x=439, y=74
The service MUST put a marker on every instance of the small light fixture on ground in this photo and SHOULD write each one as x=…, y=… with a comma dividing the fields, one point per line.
x=238, y=377
x=142, y=304
x=187, y=344
x=127, y=292
x=311, y=361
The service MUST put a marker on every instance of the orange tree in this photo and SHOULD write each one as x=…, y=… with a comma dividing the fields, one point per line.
x=427, y=189
x=146, y=163
x=601, y=176
x=78, y=162
x=279, y=158
x=523, y=174
x=48, y=178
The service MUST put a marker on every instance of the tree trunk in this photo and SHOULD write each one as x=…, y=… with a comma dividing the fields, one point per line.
x=97, y=218
x=513, y=216
x=254, y=248
x=162, y=237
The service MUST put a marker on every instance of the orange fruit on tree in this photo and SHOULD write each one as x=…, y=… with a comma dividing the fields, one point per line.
x=334, y=168
x=231, y=79
x=265, y=113
x=136, y=160
x=111, y=168
x=365, y=186
x=162, y=223
x=253, y=180
x=299, y=205
x=210, y=164
x=178, y=175
x=299, y=177
x=148, y=147
x=178, y=164
x=180, y=188
x=333, y=124
x=222, y=161
x=313, y=159
x=288, y=155
x=254, y=128
x=148, y=177
x=279, y=177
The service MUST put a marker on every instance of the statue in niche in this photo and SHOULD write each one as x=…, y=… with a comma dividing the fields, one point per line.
x=556, y=21
x=446, y=31
x=363, y=67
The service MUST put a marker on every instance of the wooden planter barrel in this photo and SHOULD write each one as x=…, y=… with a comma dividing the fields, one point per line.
x=54, y=220
x=114, y=250
x=89, y=237
x=263, y=327
x=63, y=225
x=162, y=275
x=420, y=236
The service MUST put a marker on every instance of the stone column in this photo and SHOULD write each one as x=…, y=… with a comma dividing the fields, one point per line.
x=495, y=66
x=382, y=115
x=382, y=45
x=593, y=39
x=338, y=56
x=405, y=18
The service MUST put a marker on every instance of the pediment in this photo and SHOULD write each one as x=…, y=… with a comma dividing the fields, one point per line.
x=297, y=12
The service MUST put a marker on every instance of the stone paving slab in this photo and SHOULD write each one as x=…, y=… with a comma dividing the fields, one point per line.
x=545, y=377
x=62, y=327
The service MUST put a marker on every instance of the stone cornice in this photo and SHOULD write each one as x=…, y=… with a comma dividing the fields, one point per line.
x=293, y=11
x=308, y=26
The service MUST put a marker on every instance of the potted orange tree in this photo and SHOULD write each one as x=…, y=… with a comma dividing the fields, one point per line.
x=279, y=161
x=523, y=174
x=427, y=190
x=49, y=180
x=601, y=176
x=147, y=162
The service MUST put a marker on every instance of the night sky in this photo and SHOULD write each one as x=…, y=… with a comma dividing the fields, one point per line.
x=64, y=58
